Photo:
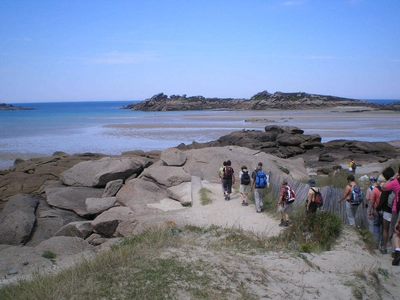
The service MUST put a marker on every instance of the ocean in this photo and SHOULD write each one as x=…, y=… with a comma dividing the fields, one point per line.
x=102, y=127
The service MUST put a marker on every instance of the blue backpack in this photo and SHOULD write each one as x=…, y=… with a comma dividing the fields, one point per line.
x=356, y=195
x=260, y=180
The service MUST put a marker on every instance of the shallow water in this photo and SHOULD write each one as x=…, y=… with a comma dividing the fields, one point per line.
x=104, y=128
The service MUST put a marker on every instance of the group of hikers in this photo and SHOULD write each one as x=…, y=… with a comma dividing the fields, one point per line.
x=257, y=182
x=381, y=202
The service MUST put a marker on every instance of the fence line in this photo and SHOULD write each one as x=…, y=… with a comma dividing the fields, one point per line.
x=330, y=194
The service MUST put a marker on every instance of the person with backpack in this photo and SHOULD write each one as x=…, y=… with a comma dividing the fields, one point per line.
x=354, y=197
x=352, y=167
x=383, y=209
x=245, y=185
x=221, y=176
x=259, y=184
x=228, y=179
x=285, y=203
x=311, y=203
x=373, y=184
x=373, y=216
x=393, y=185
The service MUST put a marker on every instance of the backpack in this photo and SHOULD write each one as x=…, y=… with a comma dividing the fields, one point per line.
x=290, y=196
x=356, y=195
x=228, y=172
x=260, y=180
x=245, y=179
x=391, y=198
x=319, y=200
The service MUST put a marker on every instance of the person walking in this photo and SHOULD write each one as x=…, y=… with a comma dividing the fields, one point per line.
x=354, y=197
x=245, y=185
x=284, y=208
x=393, y=185
x=352, y=166
x=383, y=209
x=221, y=171
x=311, y=205
x=373, y=214
x=259, y=184
x=228, y=179
x=368, y=198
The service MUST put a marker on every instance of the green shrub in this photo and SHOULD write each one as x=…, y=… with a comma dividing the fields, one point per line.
x=49, y=255
x=315, y=232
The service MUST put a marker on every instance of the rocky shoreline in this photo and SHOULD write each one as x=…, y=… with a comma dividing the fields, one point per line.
x=75, y=205
x=260, y=101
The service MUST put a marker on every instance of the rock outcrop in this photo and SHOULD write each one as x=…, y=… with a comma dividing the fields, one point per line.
x=260, y=101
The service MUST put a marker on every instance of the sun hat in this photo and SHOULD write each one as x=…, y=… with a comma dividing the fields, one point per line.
x=311, y=182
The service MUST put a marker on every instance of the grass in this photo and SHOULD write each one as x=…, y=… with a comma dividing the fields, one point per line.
x=205, y=196
x=190, y=262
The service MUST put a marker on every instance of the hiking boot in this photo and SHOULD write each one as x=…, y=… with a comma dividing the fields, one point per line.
x=383, y=251
x=396, y=259
x=393, y=254
x=229, y=198
x=246, y=204
x=282, y=223
x=287, y=224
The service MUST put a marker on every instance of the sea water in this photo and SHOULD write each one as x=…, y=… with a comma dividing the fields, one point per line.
x=103, y=127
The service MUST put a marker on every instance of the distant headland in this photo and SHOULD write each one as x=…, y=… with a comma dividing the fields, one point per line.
x=4, y=106
x=260, y=101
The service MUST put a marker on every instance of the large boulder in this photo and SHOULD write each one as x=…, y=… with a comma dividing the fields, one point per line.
x=99, y=172
x=181, y=193
x=27, y=176
x=173, y=157
x=137, y=193
x=112, y=188
x=17, y=219
x=95, y=206
x=48, y=221
x=106, y=223
x=63, y=246
x=72, y=198
x=166, y=176
x=78, y=229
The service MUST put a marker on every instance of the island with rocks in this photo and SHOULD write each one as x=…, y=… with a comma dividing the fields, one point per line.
x=260, y=101
x=4, y=106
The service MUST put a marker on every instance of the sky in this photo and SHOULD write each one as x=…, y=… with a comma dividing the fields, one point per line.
x=84, y=50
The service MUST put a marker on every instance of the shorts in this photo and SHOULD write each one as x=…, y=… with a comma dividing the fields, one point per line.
x=387, y=216
x=285, y=208
x=244, y=189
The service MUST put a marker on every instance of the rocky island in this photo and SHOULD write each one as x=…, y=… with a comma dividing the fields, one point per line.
x=4, y=106
x=260, y=101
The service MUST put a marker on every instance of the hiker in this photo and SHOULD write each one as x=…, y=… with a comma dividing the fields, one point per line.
x=393, y=185
x=228, y=179
x=221, y=175
x=354, y=197
x=245, y=185
x=259, y=184
x=284, y=208
x=352, y=167
x=368, y=197
x=311, y=205
x=374, y=216
x=396, y=244
x=383, y=209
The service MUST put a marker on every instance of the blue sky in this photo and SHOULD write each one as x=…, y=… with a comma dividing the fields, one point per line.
x=80, y=50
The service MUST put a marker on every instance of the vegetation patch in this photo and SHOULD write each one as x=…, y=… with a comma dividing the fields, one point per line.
x=205, y=198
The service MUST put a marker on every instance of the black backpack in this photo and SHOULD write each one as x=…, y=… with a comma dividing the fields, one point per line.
x=245, y=179
x=228, y=172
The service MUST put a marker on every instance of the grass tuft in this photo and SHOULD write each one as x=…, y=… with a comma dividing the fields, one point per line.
x=205, y=196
